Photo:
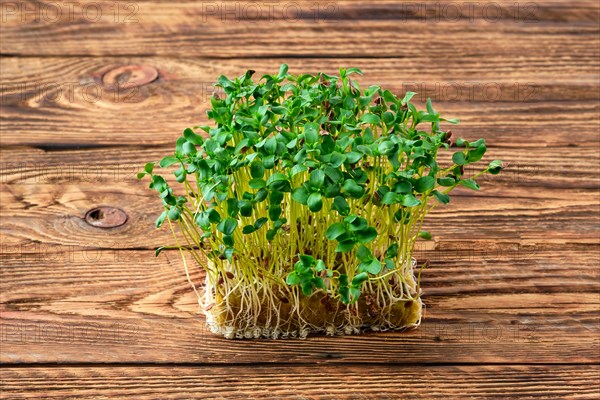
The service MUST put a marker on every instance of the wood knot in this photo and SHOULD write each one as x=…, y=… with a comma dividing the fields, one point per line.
x=129, y=76
x=106, y=217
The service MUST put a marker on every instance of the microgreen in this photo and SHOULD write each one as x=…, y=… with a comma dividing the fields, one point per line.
x=310, y=182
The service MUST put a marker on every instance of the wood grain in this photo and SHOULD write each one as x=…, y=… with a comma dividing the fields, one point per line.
x=500, y=279
x=520, y=304
x=382, y=28
x=53, y=214
x=303, y=382
x=512, y=290
x=54, y=102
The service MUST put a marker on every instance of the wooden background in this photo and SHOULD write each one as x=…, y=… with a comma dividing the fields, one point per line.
x=513, y=303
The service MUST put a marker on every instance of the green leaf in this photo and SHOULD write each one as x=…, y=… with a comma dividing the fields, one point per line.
x=429, y=107
x=317, y=178
x=319, y=283
x=293, y=279
x=425, y=235
x=344, y=292
x=409, y=200
x=174, y=214
x=446, y=181
x=388, y=118
x=248, y=229
x=477, y=154
x=278, y=182
x=407, y=97
x=495, y=167
x=300, y=195
x=311, y=133
x=386, y=147
x=260, y=222
x=356, y=223
x=228, y=253
x=298, y=168
x=470, y=183
x=213, y=216
x=477, y=143
x=374, y=267
x=353, y=189
x=225, y=82
x=359, y=279
x=363, y=253
x=283, y=71
x=228, y=240
x=353, y=70
x=353, y=157
x=279, y=223
x=343, y=280
x=392, y=251
x=341, y=205
x=261, y=195
x=389, y=264
x=441, y=197
x=257, y=183
x=424, y=184
x=270, y=235
x=191, y=137
x=345, y=246
x=391, y=198
x=245, y=207
x=331, y=190
x=189, y=148
x=257, y=170
x=274, y=212
x=314, y=202
x=232, y=207
x=161, y=218
x=369, y=118
x=335, y=230
x=270, y=145
x=307, y=288
x=389, y=96
x=403, y=187
x=168, y=161
x=227, y=226
x=149, y=167
x=366, y=235
x=354, y=293
x=320, y=266
x=459, y=158
x=306, y=260
x=269, y=162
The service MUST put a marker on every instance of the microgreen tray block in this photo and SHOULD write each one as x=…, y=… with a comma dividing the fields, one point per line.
x=304, y=199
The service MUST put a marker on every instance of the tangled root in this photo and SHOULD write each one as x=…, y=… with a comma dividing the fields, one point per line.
x=238, y=310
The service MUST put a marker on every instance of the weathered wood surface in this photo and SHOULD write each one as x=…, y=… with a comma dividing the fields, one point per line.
x=343, y=28
x=512, y=294
x=303, y=382
x=66, y=103
x=510, y=305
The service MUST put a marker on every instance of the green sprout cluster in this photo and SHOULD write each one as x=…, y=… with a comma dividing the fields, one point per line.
x=310, y=182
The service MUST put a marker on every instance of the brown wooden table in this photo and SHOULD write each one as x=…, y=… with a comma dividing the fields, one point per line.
x=91, y=91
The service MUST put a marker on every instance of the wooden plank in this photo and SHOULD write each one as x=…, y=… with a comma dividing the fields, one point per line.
x=302, y=382
x=53, y=102
x=306, y=28
x=519, y=304
x=48, y=193
x=525, y=167
x=53, y=214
